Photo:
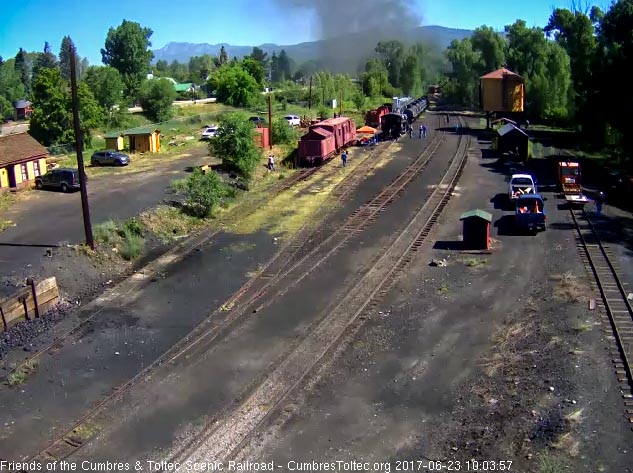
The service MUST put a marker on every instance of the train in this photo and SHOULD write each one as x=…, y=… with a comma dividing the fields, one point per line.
x=324, y=139
x=404, y=111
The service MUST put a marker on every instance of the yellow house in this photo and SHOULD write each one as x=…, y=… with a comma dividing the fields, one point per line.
x=22, y=159
x=502, y=91
x=143, y=140
x=114, y=141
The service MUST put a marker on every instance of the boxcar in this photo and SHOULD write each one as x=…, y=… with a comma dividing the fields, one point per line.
x=316, y=146
x=343, y=129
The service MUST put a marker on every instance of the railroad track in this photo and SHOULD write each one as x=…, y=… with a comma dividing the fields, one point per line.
x=223, y=437
x=615, y=301
x=202, y=337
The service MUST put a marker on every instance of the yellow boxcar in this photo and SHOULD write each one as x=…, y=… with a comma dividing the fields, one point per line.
x=502, y=91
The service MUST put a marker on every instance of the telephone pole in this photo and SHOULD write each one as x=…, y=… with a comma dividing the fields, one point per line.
x=310, y=95
x=79, y=143
x=270, y=121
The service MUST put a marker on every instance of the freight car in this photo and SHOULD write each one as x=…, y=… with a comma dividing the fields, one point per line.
x=372, y=118
x=326, y=138
x=393, y=125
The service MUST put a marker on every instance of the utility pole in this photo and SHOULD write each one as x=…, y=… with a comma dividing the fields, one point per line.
x=79, y=143
x=270, y=121
x=340, y=109
x=310, y=95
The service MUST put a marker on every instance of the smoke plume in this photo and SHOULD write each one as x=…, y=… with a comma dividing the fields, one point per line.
x=362, y=22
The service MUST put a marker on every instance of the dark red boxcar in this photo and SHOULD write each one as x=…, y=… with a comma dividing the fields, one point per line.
x=343, y=129
x=317, y=145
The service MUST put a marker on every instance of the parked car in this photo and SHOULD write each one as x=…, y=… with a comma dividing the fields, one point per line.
x=209, y=132
x=115, y=158
x=65, y=179
x=293, y=120
x=521, y=184
x=257, y=121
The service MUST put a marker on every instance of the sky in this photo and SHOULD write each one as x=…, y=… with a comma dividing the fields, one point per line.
x=28, y=23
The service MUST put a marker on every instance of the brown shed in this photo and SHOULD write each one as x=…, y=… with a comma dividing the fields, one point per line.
x=502, y=91
x=143, y=140
x=476, y=230
x=114, y=141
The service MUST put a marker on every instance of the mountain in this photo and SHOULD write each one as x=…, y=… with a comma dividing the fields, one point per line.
x=349, y=49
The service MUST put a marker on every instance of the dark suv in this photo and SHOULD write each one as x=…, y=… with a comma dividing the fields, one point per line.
x=64, y=179
x=109, y=157
x=257, y=121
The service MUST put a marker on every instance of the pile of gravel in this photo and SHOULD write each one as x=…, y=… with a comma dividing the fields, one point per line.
x=21, y=334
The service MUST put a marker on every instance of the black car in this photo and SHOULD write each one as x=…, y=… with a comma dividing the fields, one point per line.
x=257, y=121
x=109, y=157
x=65, y=179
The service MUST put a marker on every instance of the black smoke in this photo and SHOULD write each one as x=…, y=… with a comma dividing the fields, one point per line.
x=350, y=29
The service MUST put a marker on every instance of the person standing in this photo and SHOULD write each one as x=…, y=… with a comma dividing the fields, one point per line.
x=599, y=202
x=421, y=131
x=424, y=131
x=271, y=163
x=344, y=158
x=410, y=132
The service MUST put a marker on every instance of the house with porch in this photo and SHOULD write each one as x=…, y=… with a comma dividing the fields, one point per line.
x=22, y=159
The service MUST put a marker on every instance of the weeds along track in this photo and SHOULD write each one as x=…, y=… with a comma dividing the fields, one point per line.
x=598, y=259
x=224, y=436
x=204, y=335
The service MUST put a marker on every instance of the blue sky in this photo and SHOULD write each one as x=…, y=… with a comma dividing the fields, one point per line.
x=29, y=23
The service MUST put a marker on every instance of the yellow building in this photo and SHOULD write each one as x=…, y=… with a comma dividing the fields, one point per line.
x=502, y=91
x=114, y=141
x=143, y=140
x=22, y=159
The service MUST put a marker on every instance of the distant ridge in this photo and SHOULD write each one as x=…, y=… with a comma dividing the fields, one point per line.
x=363, y=45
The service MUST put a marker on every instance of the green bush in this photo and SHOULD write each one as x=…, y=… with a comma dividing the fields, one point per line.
x=126, y=236
x=131, y=245
x=105, y=232
x=204, y=192
x=234, y=144
x=283, y=133
x=156, y=97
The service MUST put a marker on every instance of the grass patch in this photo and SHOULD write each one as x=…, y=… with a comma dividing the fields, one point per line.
x=169, y=223
x=6, y=200
x=125, y=236
x=443, y=289
x=568, y=287
x=548, y=464
x=475, y=262
x=16, y=377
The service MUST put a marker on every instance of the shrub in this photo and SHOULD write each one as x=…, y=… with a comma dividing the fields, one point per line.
x=283, y=133
x=105, y=232
x=234, y=144
x=131, y=245
x=156, y=97
x=204, y=192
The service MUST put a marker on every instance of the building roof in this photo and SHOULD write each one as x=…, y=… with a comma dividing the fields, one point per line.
x=477, y=213
x=22, y=104
x=142, y=130
x=18, y=148
x=500, y=74
x=183, y=87
x=510, y=128
x=113, y=134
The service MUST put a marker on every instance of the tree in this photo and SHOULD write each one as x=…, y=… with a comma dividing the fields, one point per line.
x=91, y=115
x=375, y=78
x=223, y=57
x=1, y=61
x=410, y=76
x=283, y=66
x=234, y=85
x=234, y=145
x=21, y=66
x=46, y=60
x=275, y=72
x=50, y=117
x=464, y=78
x=392, y=54
x=255, y=69
x=106, y=84
x=491, y=46
x=127, y=50
x=65, y=55
x=199, y=68
x=11, y=87
x=178, y=71
x=156, y=97
x=527, y=48
x=161, y=69
x=283, y=132
x=261, y=57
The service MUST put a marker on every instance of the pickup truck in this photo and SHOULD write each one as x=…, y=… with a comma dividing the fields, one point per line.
x=530, y=212
x=521, y=184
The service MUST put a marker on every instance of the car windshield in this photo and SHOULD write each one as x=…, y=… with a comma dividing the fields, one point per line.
x=521, y=181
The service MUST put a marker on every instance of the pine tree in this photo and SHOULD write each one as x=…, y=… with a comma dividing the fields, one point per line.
x=223, y=58
x=65, y=55
x=22, y=68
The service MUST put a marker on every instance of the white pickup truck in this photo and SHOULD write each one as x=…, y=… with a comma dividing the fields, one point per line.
x=521, y=184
